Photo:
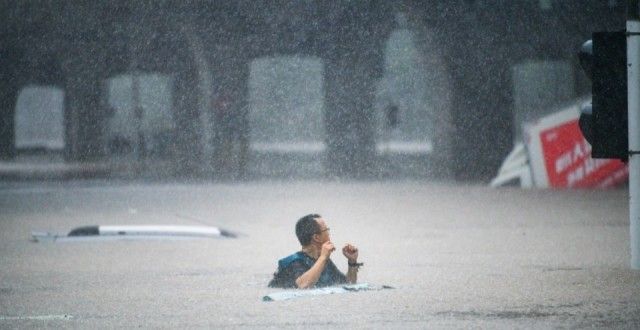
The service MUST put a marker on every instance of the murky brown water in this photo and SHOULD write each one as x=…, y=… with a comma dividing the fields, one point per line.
x=459, y=256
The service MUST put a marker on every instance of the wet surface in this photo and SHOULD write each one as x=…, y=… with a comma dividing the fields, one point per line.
x=458, y=256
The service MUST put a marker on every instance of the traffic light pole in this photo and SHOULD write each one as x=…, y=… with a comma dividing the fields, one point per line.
x=633, y=89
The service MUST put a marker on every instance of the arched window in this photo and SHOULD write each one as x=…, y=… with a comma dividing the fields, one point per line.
x=39, y=119
x=156, y=122
x=286, y=115
x=404, y=122
x=286, y=104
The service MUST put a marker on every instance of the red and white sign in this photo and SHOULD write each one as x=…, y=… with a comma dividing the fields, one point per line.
x=560, y=157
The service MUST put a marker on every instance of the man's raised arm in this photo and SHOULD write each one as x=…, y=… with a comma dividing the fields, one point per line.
x=311, y=277
x=351, y=252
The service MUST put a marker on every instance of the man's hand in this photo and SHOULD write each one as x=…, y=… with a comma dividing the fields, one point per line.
x=351, y=252
x=327, y=248
x=311, y=276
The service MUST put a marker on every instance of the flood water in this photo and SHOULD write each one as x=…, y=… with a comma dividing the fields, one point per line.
x=458, y=256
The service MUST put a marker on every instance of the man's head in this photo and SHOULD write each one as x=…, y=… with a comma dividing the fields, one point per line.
x=312, y=229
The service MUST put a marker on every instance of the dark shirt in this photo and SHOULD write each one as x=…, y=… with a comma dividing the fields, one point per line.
x=293, y=266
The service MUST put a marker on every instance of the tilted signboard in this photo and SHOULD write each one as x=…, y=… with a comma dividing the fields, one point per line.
x=560, y=157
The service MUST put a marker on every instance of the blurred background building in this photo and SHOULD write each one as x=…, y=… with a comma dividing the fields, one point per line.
x=251, y=89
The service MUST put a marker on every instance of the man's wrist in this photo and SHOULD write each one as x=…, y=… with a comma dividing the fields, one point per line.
x=355, y=263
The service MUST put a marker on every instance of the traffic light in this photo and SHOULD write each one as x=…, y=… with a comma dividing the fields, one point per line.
x=604, y=122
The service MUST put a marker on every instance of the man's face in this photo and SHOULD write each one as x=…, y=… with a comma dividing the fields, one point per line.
x=323, y=233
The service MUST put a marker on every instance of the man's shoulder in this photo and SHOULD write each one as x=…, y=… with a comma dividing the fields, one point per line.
x=289, y=268
x=286, y=261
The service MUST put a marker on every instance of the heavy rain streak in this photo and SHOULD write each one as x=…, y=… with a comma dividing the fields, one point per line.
x=315, y=164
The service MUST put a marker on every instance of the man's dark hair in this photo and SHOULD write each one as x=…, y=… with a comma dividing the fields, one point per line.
x=306, y=227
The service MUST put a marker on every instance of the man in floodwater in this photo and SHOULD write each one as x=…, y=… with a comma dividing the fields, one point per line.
x=312, y=266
